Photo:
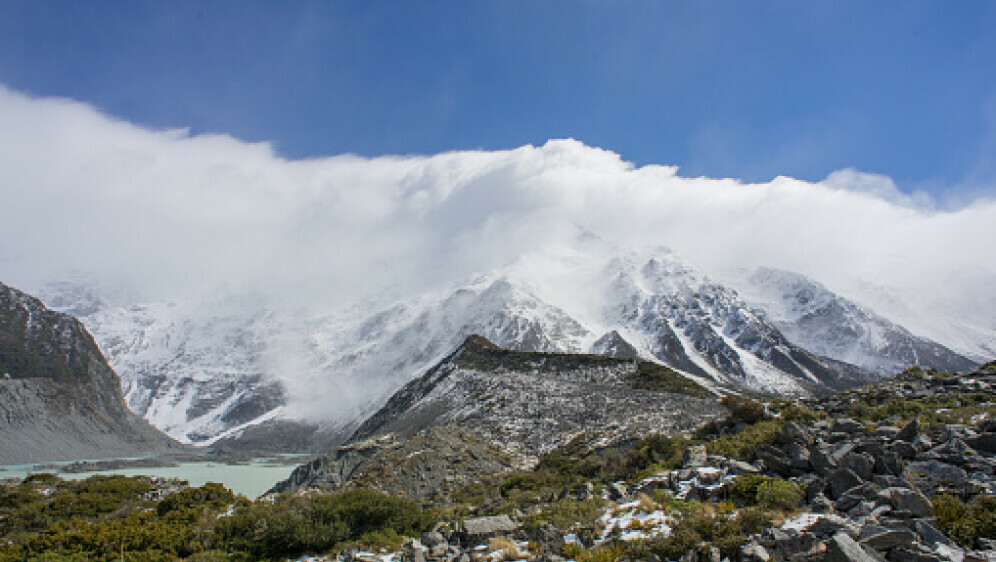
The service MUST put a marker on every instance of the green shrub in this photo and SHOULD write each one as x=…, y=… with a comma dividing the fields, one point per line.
x=766, y=491
x=965, y=524
x=744, y=445
x=565, y=514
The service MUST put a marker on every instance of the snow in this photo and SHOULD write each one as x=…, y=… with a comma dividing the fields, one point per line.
x=186, y=367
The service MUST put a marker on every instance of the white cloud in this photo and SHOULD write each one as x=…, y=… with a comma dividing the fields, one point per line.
x=169, y=214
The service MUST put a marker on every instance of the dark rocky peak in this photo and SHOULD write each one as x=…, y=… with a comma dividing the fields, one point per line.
x=36, y=342
x=614, y=345
x=59, y=398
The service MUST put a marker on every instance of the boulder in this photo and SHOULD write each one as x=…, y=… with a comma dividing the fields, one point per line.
x=753, y=552
x=842, y=548
x=905, y=499
x=888, y=539
x=841, y=480
x=908, y=431
x=905, y=554
x=478, y=529
x=985, y=442
x=860, y=463
x=792, y=432
x=847, y=425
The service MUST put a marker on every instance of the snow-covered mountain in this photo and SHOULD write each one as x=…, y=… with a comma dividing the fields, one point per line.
x=827, y=324
x=206, y=370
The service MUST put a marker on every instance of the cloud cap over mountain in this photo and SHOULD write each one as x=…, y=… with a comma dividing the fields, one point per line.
x=168, y=214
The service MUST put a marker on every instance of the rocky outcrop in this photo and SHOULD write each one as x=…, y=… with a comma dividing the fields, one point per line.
x=429, y=465
x=530, y=402
x=59, y=399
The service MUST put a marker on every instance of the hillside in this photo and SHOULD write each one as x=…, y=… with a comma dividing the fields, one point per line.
x=59, y=399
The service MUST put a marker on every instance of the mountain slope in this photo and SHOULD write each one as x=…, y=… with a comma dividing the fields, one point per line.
x=227, y=370
x=825, y=323
x=533, y=401
x=59, y=399
x=486, y=406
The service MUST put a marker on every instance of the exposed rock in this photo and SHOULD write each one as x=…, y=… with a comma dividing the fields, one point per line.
x=909, y=431
x=842, y=548
x=59, y=398
x=905, y=499
x=475, y=530
x=841, y=480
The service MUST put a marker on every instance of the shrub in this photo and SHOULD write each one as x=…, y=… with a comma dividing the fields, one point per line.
x=744, y=445
x=565, y=514
x=965, y=524
x=766, y=491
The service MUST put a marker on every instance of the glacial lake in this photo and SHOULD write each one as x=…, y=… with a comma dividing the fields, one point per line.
x=251, y=478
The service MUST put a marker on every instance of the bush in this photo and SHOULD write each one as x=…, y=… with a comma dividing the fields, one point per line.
x=966, y=524
x=565, y=514
x=766, y=491
x=744, y=445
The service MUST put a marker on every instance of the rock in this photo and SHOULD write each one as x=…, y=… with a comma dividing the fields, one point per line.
x=953, y=451
x=930, y=534
x=985, y=442
x=921, y=442
x=903, y=554
x=820, y=461
x=432, y=538
x=889, y=481
x=476, y=530
x=888, y=463
x=713, y=555
x=775, y=460
x=842, y=548
x=842, y=451
x=740, y=467
x=827, y=526
x=938, y=472
x=847, y=425
x=617, y=491
x=854, y=496
x=841, y=480
x=905, y=499
x=689, y=556
x=753, y=552
x=694, y=456
x=792, y=432
x=798, y=456
x=909, y=431
x=888, y=539
x=860, y=463
x=904, y=450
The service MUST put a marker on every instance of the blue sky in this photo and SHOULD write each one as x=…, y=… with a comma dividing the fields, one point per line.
x=749, y=90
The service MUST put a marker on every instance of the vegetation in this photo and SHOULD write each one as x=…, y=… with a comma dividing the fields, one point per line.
x=966, y=523
x=109, y=518
x=766, y=491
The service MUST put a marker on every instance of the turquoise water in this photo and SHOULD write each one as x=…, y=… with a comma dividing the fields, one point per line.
x=250, y=479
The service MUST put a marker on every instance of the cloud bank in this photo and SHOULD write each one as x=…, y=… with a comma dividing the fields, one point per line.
x=169, y=214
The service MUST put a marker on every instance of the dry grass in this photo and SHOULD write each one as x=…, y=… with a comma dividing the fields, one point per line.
x=508, y=549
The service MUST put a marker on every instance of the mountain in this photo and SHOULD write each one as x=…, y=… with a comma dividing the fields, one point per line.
x=233, y=370
x=59, y=399
x=828, y=324
x=524, y=403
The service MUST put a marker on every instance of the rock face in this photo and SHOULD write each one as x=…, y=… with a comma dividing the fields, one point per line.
x=812, y=316
x=532, y=402
x=429, y=465
x=59, y=399
x=518, y=403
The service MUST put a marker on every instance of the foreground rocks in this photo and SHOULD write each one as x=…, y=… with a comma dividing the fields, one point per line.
x=865, y=494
